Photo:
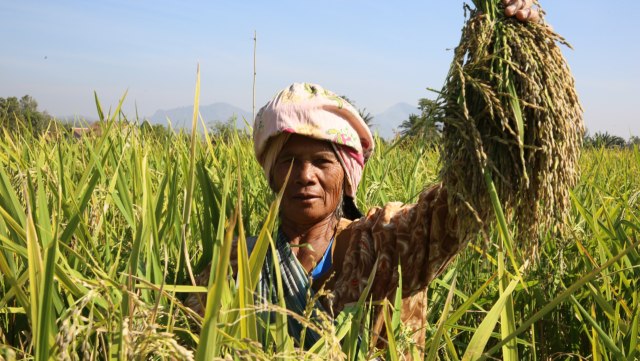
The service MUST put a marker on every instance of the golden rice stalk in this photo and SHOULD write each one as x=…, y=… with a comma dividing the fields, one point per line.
x=510, y=108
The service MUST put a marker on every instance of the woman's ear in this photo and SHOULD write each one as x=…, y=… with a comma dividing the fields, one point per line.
x=339, y=211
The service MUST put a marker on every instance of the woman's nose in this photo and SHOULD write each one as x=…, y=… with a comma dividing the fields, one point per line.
x=305, y=174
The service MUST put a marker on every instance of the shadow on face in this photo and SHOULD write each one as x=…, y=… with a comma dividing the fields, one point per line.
x=314, y=190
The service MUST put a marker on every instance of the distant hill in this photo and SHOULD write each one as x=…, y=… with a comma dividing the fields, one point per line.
x=387, y=122
x=77, y=120
x=217, y=112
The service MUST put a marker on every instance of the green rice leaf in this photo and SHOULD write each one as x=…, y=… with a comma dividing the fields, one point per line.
x=563, y=296
x=46, y=316
x=209, y=345
x=392, y=348
x=483, y=332
x=608, y=342
x=440, y=328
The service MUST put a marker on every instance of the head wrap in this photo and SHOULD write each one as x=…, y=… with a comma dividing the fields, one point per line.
x=310, y=110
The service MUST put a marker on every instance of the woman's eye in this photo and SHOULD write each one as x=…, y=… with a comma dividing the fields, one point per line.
x=323, y=161
x=286, y=160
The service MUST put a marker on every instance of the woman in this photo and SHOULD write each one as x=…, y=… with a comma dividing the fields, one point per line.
x=325, y=142
x=323, y=240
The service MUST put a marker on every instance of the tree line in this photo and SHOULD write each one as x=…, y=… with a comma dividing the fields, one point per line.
x=22, y=115
x=606, y=140
x=428, y=126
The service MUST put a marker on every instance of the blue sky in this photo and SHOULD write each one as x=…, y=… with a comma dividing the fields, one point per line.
x=378, y=53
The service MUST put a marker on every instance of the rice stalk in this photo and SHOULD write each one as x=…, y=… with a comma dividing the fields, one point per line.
x=511, y=113
x=94, y=190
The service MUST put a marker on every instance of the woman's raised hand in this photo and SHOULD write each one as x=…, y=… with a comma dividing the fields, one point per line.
x=521, y=9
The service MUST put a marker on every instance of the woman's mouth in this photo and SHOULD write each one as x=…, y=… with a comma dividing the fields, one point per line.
x=305, y=196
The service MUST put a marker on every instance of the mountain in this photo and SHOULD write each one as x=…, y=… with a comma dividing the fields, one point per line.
x=77, y=120
x=387, y=122
x=217, y=112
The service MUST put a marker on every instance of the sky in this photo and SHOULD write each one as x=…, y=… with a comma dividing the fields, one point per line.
x=378, y=53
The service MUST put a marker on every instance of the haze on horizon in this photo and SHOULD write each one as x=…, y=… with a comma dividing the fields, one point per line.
x=378, y=53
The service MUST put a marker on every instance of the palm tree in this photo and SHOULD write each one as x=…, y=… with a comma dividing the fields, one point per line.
x=425, y=125
x=606, y=140
x=409, y=126
x=366, y=116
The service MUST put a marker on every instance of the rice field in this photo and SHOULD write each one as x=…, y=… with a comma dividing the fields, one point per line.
x=99, y=237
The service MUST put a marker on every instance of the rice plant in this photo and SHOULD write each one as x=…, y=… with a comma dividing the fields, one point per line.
x=101, y=236
x=512, y=125
x=93, y=265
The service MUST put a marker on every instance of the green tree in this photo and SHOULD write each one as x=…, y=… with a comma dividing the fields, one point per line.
x=603, y=140
x=587, y=139
x=222, y=131
x=9, y=106
x=424, y=125
x=9, y=113
x=23, y=115
x=157, y=131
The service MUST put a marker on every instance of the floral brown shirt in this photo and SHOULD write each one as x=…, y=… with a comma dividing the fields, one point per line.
x=420, y=237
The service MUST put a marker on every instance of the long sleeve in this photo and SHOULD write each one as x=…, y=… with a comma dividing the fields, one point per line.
x=421, y=237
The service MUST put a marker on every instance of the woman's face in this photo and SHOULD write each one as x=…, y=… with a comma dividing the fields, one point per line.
x=314, y=189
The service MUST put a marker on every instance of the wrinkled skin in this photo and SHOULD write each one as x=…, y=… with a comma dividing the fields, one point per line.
x=311, y=196
x=314, y=189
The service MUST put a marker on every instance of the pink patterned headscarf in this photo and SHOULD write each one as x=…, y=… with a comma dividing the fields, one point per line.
x=310, y=110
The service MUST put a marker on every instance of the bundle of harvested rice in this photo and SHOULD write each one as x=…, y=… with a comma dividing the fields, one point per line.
x=511, y=118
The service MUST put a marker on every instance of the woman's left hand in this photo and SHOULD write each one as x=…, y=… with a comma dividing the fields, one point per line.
x=521, y=9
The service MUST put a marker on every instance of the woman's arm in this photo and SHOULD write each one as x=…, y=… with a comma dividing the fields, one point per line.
x=420, y=237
